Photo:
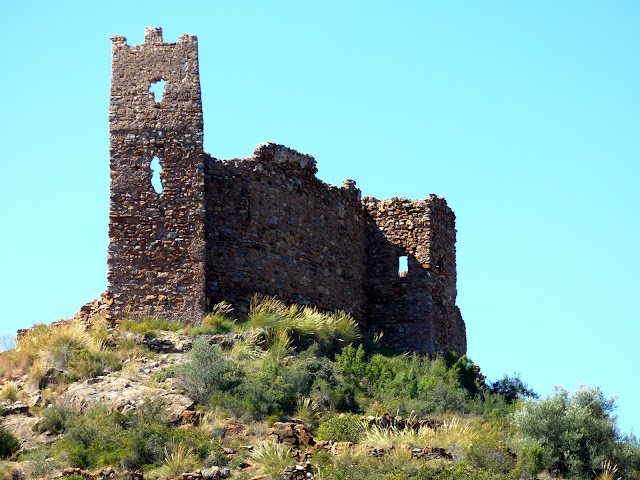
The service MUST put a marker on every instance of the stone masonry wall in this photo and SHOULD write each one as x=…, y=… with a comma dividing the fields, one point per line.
x=399, y=302
x=224, y=230
x=156, y=241
x=274, y=228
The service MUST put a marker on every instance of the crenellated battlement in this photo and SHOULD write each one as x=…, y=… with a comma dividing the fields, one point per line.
x=224, y=230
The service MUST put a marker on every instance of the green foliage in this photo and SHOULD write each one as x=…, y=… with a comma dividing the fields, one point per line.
x=530, y=462
x=466, y=370
x=73, y=476
x=86, y=364
x=152, y=326
x=217, y=321
x=133, y=440
x=405, y=384
x=346, y=427
x=54, y=419
x=273, y=457
x=40, y=463
x=512, y=388
x=304, y=325
x=9, y=444
x=576, y=431
x=206, y=371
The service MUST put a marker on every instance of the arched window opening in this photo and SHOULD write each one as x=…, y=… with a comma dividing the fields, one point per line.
x=157, y=88
x=156, y=180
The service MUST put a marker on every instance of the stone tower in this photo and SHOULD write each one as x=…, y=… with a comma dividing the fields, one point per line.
x=156, y=239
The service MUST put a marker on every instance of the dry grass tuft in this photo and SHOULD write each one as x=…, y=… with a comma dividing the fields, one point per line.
x=9, y=392
x=272, y=457
x=453, y=434
x=178, y=459
x=609, y=471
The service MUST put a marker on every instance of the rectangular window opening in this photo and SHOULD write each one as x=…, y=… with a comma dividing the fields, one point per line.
x=403, y=265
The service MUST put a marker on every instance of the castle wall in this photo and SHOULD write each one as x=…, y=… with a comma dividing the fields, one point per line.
x=415, y=309
x=276, y=229
x=156, y=241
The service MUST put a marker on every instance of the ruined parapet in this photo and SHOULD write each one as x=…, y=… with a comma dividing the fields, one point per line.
x=156, y=237
x=274, y=228
x=415, y=308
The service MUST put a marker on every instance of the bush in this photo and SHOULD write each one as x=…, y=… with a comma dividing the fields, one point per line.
x=574, y=429
x=346, y=427
x=9, y=444
x=133, y=440
x=54, y=419
x=206, y=371
x=512, y=388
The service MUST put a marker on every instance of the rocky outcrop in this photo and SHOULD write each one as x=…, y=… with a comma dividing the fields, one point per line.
x=121, y=394
x=290, y=433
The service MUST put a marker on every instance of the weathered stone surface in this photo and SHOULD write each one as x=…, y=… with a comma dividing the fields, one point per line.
x=291, y=433
x=225, y=230
x=120, y=394
x=22, y=426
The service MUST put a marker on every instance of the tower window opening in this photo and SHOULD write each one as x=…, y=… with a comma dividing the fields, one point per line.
x=157, y=88
x=403, y=265
x=156, y=180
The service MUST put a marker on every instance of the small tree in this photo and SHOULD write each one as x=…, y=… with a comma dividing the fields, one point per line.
x=576, y=430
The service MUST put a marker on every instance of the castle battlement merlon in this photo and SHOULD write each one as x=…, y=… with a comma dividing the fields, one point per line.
x=225, y=230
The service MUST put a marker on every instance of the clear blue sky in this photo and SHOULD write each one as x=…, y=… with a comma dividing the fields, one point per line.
x=524, y=115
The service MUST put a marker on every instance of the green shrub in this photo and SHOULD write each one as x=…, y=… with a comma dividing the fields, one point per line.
x=133, y=440
x=54, y=419
x=40, y=463
x=466, y=370
x=9, y=444
x=346, y=427
x=530, y=461
x=206, y=371
x=574, y=429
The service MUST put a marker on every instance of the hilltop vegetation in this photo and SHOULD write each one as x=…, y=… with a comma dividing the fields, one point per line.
x=212, y=399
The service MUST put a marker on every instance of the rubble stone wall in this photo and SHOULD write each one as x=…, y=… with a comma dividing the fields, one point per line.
x=274, y=228
x=424, y=232
x=224, y=230
x=156, y=241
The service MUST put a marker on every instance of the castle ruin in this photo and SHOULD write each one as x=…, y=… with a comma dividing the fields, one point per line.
x=224, y=230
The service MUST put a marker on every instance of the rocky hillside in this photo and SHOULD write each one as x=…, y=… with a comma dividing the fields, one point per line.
x=290, y=393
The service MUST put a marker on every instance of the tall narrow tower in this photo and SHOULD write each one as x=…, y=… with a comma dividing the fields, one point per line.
x=156, y=232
